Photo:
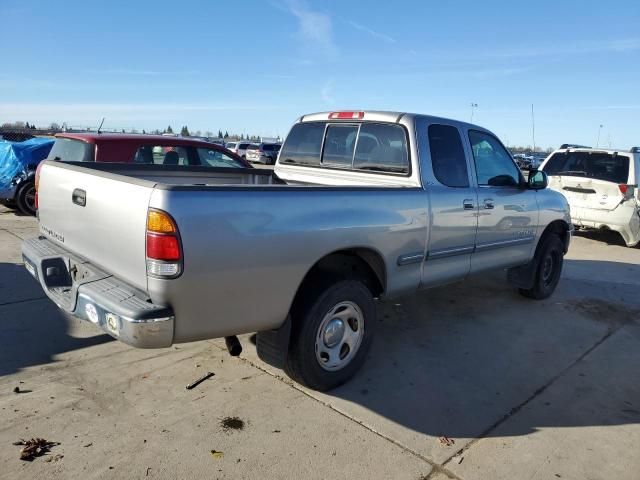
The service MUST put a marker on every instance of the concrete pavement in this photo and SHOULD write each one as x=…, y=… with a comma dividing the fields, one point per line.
x=524, y=389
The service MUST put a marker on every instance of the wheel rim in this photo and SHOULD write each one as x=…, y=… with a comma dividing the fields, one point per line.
x=30, y=198
x=549, y=268
x=339, y=336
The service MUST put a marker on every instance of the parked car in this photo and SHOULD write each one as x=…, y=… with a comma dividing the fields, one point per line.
x=266, y=153
x=239, y=148
x=601, y=186
x=361, y=206
x=18, y=163
x=133, y=148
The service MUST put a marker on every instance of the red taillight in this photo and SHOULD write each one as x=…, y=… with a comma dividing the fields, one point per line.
x=163, y=247
x=623, y=188
x=164, y=251
x=349, y=115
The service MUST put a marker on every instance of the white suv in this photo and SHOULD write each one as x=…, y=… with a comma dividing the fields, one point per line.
x=601, y=187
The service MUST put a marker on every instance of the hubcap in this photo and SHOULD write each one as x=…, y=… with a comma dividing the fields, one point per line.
x=30, y=198
x=339, y=336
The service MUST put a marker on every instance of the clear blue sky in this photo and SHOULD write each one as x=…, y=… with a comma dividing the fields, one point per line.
x=254, y=66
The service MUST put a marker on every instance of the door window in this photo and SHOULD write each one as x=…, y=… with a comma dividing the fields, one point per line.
x=494, y=165
x=447, y=156
x=215, y=158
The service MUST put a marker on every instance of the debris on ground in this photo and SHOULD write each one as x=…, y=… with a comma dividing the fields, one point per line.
x=35, y=447
x=200, y=380
x=88, y=444
x=148, y=470
x=446, y=441
x=232, y=423
x=16, y=390
x=460, y=460
x=216, y=454
x=54, y=458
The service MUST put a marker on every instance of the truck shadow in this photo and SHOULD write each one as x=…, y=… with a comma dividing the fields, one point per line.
x=33, y=329
x=458, y=360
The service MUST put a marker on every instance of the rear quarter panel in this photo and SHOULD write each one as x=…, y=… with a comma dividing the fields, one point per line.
x=246, y=251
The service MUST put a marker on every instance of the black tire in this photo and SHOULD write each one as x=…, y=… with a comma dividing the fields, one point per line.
x=25, y=199
x=548, y=269
x=302, y=364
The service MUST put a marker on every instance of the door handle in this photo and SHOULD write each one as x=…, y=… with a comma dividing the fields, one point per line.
x=79, y=197
x=467, y=203
x=488, y=203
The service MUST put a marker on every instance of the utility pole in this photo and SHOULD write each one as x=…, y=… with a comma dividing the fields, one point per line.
x=598, y=141
x=533, y=129
x=473, y=107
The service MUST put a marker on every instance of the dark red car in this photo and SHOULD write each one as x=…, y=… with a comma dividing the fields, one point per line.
x=132, y=148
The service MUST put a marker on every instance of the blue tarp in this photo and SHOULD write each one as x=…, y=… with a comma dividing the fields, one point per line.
x=18, y=158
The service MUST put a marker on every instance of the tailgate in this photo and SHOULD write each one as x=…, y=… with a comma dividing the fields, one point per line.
x=582, y=192
x=109, y=230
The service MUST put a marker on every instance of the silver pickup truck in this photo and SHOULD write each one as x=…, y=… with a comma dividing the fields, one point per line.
x=361, y=207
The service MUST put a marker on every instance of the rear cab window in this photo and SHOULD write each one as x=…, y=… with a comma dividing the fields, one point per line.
x=377, y=147
x=164, y=155
x=71, y=150
x=598, y=165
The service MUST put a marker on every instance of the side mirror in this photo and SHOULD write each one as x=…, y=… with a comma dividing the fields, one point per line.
x=538, y=180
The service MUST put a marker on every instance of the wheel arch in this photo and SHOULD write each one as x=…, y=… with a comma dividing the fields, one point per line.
x=560, y=228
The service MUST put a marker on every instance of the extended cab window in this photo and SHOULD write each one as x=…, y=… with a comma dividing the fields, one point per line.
x=215, y=158
x=447, y=156
x=598, y=165
x=494, y=166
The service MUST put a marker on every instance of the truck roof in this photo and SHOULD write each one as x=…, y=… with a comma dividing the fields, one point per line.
x=134, y=138
x=377, y=116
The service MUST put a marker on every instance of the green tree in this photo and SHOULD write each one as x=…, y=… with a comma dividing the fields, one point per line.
x=219, y=133
x=184, y=131
x=169, y=129
x=226, y=134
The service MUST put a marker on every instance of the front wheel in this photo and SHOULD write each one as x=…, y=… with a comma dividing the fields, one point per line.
x=332, y=332
x=26, y=198
x=548, y=268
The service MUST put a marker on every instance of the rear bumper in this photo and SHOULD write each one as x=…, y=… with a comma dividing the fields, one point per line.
x=117, y=308
x=625, y=220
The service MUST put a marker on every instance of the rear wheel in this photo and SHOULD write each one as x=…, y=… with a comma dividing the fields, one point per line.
x=548, y=268
x=332, y=332
x=26, y=198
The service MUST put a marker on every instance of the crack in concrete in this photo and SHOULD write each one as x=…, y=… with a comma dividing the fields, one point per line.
x=22, y=301
x=435, y=467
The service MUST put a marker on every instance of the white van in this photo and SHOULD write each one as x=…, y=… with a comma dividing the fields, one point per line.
x=601, y=187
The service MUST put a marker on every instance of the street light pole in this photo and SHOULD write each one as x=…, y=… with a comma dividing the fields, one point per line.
x=533, y=129
x=473, y=106
x=598, y=141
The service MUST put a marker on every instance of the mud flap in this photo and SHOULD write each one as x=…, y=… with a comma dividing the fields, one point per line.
x=523, y=276
x=272, y=346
